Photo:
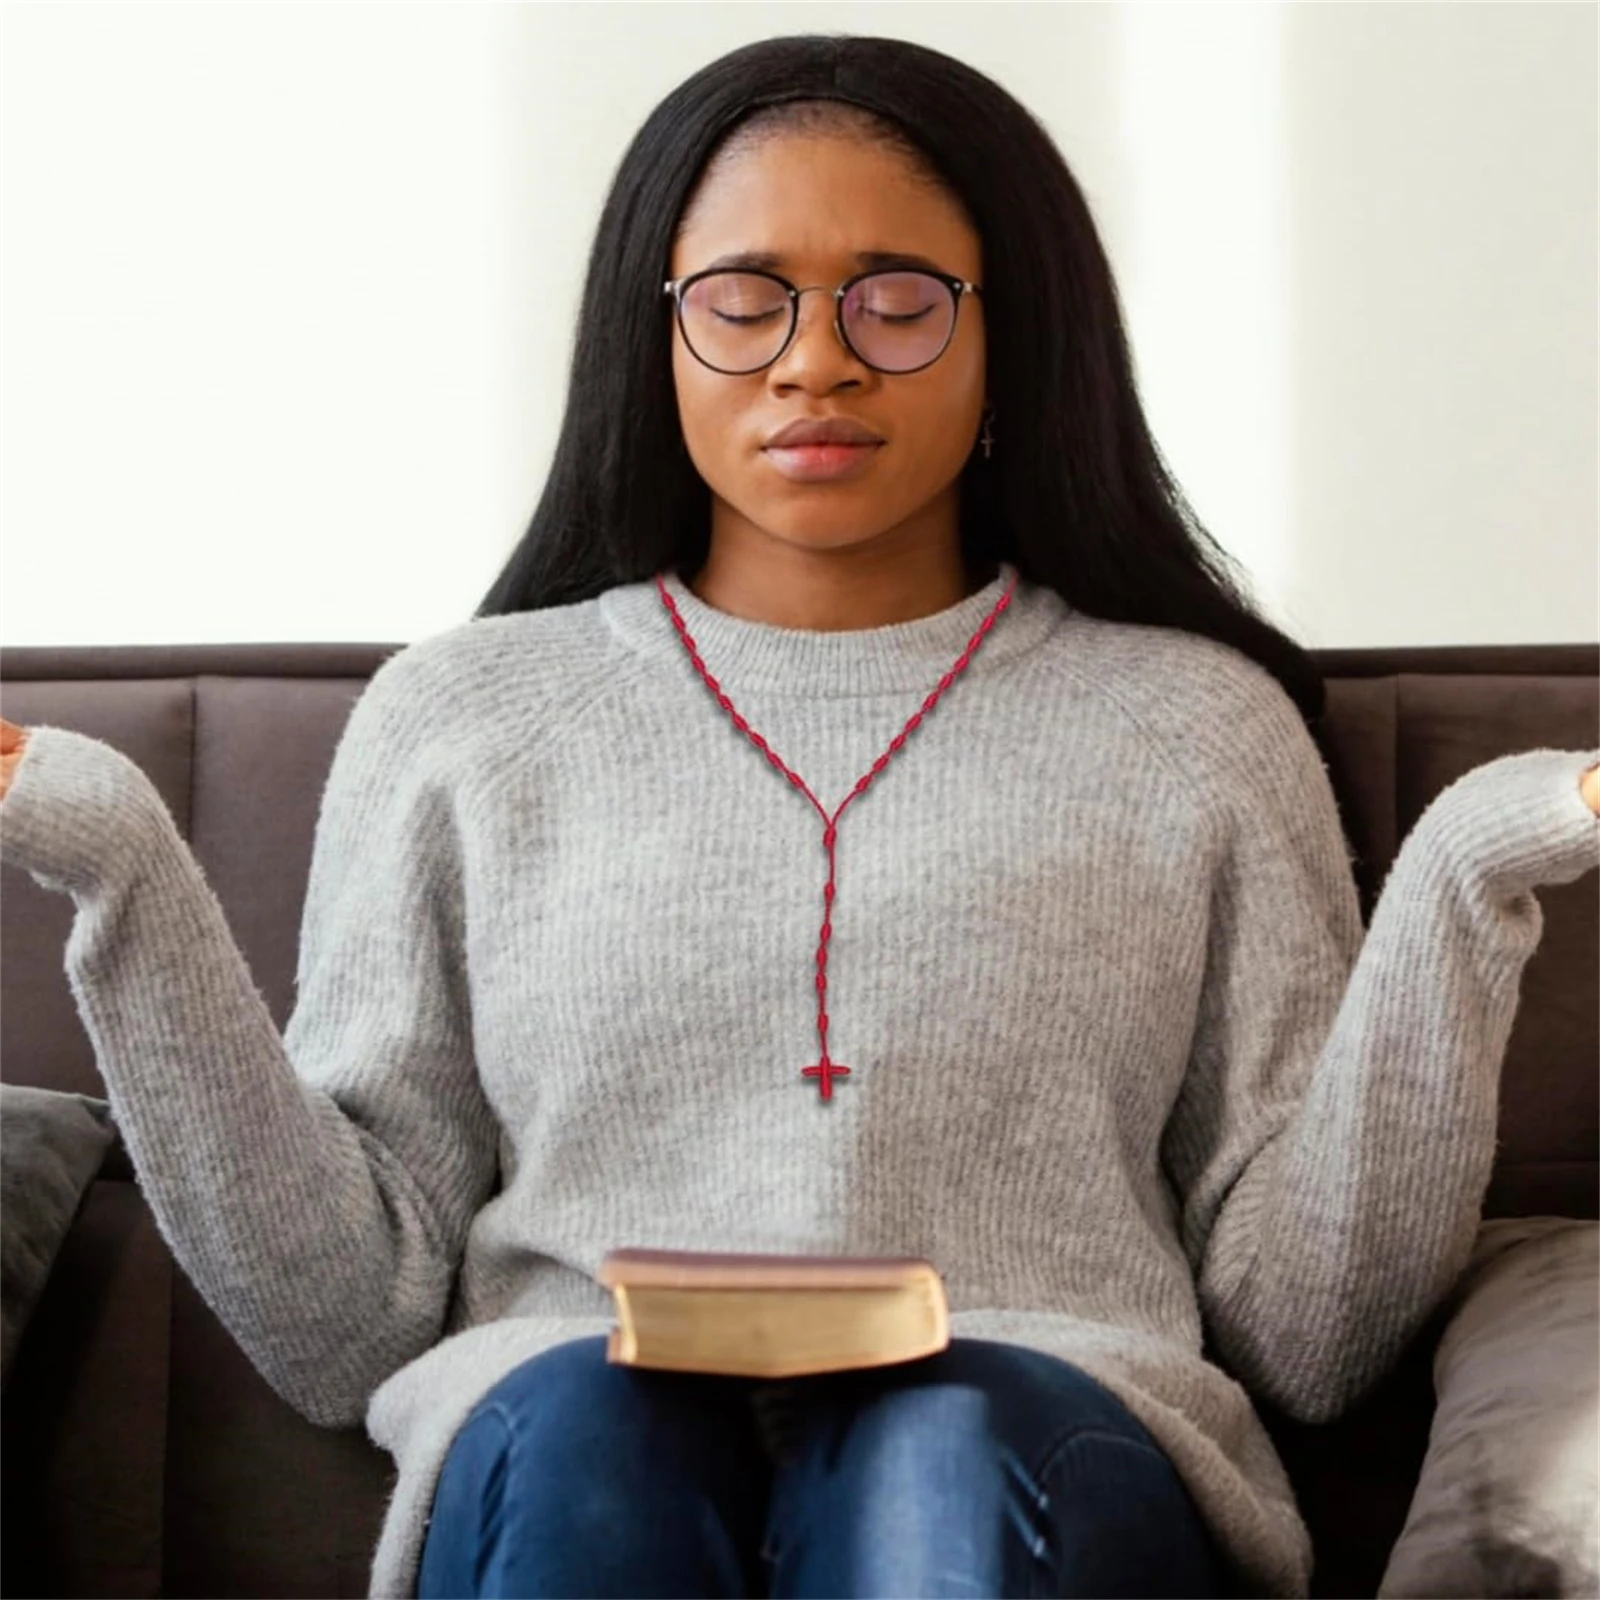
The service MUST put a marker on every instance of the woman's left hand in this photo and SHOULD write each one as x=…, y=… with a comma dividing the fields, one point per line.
x=1589, y=783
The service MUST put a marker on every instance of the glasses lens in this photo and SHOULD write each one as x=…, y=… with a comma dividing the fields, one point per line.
x=899, y=320
x=735, y=321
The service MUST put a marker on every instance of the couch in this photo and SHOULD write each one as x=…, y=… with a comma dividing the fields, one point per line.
x=142, y=1455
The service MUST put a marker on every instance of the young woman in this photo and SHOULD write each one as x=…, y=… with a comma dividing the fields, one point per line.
x=864, y=818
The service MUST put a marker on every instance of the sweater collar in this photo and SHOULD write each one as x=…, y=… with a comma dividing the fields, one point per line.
x=899, y=656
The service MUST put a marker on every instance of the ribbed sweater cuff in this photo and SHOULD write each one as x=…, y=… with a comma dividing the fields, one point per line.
x=1521, y=821
x=79, y=814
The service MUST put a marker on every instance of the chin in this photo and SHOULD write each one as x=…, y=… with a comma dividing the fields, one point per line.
x=819, y=520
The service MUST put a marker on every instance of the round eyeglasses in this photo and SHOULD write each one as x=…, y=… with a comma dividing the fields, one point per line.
x=738, y=320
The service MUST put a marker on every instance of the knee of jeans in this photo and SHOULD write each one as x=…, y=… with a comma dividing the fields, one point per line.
x=561, y=1364
x=1105, y=1410
x=1025, y=1383
x=484, y=1436
x=898, y=1425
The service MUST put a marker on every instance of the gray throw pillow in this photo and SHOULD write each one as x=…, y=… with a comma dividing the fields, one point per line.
x=51, y=1145
x=1508, y=1501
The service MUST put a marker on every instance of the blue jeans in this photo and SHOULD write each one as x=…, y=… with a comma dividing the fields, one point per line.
x=985, y=1469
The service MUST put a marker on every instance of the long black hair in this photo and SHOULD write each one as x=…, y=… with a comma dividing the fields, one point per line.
x=1076, y=495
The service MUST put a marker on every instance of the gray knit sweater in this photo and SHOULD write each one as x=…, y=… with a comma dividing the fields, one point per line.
x=1123, y=1064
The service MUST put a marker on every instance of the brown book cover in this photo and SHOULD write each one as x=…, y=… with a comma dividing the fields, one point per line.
x=771, y=1316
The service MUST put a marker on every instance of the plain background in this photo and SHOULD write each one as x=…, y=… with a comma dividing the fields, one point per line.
x=287, y=293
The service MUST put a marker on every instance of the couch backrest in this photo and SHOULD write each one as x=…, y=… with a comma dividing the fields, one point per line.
x=238, y=739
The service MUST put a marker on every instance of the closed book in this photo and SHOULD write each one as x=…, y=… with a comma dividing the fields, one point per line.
x=771, y=1316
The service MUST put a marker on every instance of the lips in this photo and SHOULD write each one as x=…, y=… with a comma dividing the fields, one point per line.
x=822, y=431
x=820, y=463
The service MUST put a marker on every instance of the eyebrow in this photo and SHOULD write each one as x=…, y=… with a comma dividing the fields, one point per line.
x=770, y=261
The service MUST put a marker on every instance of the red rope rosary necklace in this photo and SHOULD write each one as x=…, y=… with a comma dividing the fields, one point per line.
x=825, y=1070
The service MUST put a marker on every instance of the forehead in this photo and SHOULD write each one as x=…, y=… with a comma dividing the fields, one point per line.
x=821, y=203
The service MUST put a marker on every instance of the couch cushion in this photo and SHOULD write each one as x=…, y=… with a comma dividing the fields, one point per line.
x=51, y=1146
x=1508, y=1500
x=262, y=751
x=85, y=1416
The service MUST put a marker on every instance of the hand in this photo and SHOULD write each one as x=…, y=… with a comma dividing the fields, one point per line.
x=1589, y=783
x=13, y=743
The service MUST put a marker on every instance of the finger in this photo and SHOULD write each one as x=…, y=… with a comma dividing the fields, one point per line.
x=1590, y=786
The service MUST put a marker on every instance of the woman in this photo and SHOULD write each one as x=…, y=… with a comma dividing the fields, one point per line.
x=1093, y=1023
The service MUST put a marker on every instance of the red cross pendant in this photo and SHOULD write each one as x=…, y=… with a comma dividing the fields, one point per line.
x=821, y=1071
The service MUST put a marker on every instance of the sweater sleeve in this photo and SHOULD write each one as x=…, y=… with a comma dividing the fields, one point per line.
x=316, y=1186
x=1334, y=1135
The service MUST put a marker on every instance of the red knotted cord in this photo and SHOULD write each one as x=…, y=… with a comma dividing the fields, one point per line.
x=825, y=1070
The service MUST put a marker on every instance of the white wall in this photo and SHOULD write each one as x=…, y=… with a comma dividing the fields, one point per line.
x=287, y=292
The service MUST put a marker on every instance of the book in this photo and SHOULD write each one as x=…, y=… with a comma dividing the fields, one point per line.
x=771, y=1316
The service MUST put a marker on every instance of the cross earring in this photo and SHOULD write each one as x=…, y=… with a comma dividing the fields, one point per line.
x=988, y=437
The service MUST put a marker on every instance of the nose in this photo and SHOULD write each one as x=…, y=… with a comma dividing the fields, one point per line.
x=816, y=347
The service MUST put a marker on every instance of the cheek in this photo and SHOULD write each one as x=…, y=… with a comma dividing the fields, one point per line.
x=945, y=422
x=970, y=373
x=702, y=413
x=944, y=413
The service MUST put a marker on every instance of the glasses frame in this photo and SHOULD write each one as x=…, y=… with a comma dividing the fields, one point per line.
x=958, y=288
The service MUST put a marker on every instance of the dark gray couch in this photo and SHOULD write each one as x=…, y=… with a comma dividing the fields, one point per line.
x=142, y=1455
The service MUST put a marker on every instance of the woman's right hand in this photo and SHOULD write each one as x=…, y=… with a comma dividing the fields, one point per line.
x=13, y=744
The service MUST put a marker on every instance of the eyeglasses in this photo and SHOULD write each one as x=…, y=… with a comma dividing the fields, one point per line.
x=738, y=321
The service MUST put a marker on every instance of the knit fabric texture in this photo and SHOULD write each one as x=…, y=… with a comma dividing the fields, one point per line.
x=1125, y=1065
